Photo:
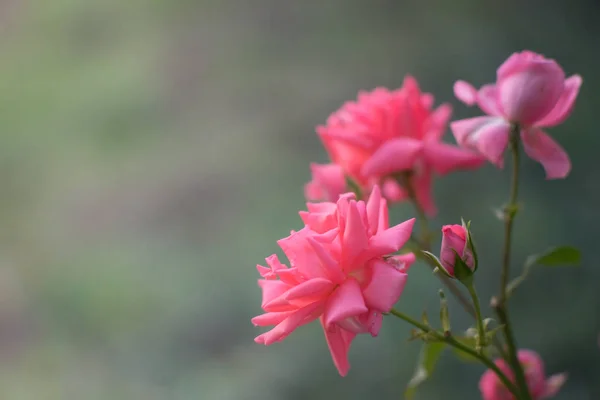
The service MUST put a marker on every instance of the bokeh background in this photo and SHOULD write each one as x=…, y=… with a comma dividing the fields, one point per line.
x=152, y=152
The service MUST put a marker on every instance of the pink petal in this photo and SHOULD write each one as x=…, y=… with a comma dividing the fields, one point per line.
x=465, y=92
x=288, y=325
x=332, y=267
x=271, y=318
x=339, y=341
x=373, y=206
x=531, y=93
x=543, y=149
x=345, y=302
x=445, y=158
x=403, y=262
x=272, y=290
x=309, y=291
x=553, y=385
x=355, y=238
x=301, y=254
x=318, y=222
x=327, y=184
x=487, y=99
x=565, y=104
x=390, y=240
x=438, y=121
x=384, y=287
x=384, y=219
x=423, y=188
x=489, y=135
x=393, y=191
x=491, y=388
x=266, y=273
x=393, y=156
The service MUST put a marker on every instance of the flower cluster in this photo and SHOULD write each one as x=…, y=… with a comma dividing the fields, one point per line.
x=347, y=265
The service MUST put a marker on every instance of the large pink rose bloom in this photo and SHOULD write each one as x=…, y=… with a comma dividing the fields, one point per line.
x=530, y=91
x=384, y=133
x=339, y=272
x=539, y=386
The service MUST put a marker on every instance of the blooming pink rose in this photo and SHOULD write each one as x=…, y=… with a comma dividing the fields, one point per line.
x=339, y=272
x=454, y=241
x=385, y=133
x=530, y=91
x=540, y=388
x=327, y=184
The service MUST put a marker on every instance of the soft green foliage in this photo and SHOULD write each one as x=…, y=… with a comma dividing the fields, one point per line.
x=564, y=255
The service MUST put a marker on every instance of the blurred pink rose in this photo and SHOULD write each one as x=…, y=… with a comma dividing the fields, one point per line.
x=328, y=182
x=339, y=272
x=530, y=91
x=385, y=133
x=540, y=388
x=454, y=241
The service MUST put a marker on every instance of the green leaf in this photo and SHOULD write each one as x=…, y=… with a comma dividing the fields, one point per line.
x=564, y=255
x=430, y=354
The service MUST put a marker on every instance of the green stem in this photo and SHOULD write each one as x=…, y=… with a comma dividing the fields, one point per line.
x=448, y=339
x=481, y=337
x=500, y=306
x=424, y=242
x=510, y=212
x=512, y=351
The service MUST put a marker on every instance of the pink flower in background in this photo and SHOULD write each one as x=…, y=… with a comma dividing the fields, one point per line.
x=454, y=241
x=339, y=272
x=530, y=91
x=385, y=133
x=328, y=182
x=540, y=388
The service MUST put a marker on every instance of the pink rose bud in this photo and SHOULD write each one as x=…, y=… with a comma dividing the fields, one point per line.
x=455, y=246
x=530, y=91
x=539, y=386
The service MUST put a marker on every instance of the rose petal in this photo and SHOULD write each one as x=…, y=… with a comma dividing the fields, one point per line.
x=465, y=92
x=390, y=240
x=345, y=302
x=489, y=135
x=542, y=148
x=445, y=158
x=393, y=156
x=565, y=104
x=384, y=286
x=339, y=341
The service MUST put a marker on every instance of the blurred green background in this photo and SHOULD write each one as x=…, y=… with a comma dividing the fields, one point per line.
x=152, y=152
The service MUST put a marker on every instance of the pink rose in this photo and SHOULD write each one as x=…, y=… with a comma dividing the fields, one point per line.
x=540, y=388
x=339, y=273
x=327, y=184
x=530, y=91
x=455, y=243
x=384, y=133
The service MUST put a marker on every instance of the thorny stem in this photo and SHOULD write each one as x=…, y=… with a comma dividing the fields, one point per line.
x=500, y=305
x=448, y=339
